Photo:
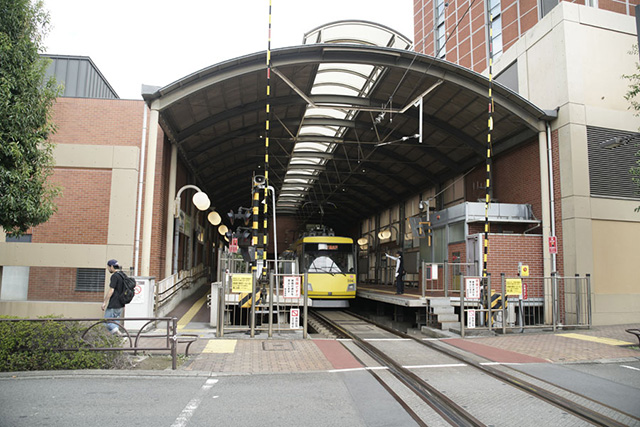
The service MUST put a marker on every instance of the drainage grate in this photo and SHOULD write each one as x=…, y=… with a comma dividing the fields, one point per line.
x=277, y=346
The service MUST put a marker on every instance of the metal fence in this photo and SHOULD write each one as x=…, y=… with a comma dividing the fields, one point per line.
x=132, y=341
x=445, y=277
x=246, y=305
x=516, y=303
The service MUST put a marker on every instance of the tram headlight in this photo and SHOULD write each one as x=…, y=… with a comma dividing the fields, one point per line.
x=351, y=287
x=309, y=287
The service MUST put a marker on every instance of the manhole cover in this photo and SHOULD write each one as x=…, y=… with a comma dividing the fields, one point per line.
x=277, y=346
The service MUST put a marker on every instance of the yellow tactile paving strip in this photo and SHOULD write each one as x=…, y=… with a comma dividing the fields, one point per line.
x=220, y=346
x=602, y=340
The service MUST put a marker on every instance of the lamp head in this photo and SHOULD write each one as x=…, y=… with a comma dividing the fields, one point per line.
x=201, y=200
x=214, y=218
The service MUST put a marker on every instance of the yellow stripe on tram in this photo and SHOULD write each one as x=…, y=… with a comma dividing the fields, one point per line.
x=609, y=341
x=191, y=313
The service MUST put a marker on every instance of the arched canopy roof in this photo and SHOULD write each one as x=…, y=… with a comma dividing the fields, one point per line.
x=339, y=147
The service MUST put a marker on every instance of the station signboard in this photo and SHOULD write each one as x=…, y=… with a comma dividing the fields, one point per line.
x=472, y=286
x=291, y=285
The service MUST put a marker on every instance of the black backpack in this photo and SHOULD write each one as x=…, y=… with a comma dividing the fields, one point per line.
x=128, y=289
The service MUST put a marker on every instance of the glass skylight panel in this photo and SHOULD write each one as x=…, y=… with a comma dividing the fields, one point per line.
x=305, y=161
x=325, y=112
x=305, y=183
x=362, y=69
x=333, y=89
x=343, y=77
x=339, y=79
x=318, y=130
x=322, y=147
x=301, y=172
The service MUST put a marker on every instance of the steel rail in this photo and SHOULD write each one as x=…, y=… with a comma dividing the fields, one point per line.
x=445, y=407
x=580, y=411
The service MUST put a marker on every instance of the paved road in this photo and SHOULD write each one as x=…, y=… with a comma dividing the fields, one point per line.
x=311, y=399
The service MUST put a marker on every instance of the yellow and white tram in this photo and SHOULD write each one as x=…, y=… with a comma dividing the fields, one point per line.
x=330, y=262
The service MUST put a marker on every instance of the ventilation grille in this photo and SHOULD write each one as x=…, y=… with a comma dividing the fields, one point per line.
x=90, y=280
x=609, y=167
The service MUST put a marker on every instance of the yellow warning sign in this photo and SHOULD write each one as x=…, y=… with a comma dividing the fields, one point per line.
x=524, y=271
x=241, y=282
x=513, y=287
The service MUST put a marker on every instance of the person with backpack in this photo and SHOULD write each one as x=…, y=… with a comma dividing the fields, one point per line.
x=112, y=306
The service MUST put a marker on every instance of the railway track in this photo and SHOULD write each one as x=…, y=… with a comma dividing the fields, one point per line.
x=458, y=388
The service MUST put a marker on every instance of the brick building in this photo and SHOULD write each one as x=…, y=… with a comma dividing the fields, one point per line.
x=562, y=56
x=59, y=266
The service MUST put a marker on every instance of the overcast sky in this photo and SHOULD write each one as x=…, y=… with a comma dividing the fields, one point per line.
x=157, y=42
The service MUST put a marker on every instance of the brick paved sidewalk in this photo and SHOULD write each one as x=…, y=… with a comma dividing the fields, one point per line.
x=253, y=356
x=566, y=346
x=261, y=355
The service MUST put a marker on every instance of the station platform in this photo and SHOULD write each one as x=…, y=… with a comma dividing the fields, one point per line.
x=412, y=296
x=238, y=353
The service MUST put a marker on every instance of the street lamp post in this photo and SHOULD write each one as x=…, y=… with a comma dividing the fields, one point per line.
x=201, y=202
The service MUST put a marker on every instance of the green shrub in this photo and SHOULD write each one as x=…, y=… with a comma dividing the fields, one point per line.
x=35, y=346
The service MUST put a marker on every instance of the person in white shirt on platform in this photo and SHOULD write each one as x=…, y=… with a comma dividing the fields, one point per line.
x=399, y=271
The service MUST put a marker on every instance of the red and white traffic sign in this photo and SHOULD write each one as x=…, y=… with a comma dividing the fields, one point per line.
x=553, y=248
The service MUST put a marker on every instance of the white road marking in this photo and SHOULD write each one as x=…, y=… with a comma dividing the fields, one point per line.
x=193, y=404
x=630, y=367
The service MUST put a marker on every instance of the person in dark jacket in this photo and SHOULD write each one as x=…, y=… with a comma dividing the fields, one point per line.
x=112, y=306
x=399, y=271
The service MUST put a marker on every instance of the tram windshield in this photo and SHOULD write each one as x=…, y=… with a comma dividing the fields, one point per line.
x=329, y=258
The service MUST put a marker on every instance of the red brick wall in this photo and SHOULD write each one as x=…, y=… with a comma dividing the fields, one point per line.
x=98, y=121
x=515, y=178
x=160, y=208
x=467, y=44
x=83, y=214
x=57, y=284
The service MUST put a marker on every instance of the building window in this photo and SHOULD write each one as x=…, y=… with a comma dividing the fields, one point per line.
x=441, y=35
x=509, y=77
x=546, y=6
x=90, y=280
x=495, y=11
x=25, y=238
